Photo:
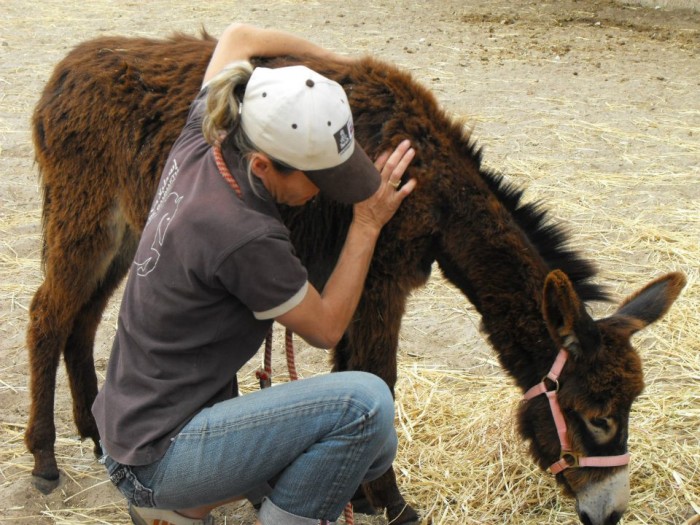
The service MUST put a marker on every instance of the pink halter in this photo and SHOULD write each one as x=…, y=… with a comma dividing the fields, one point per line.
x=568, y=458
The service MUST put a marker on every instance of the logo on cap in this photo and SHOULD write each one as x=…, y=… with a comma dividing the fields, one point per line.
x=343, y=137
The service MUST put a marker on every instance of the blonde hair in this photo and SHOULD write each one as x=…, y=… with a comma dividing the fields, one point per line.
x=221, y=116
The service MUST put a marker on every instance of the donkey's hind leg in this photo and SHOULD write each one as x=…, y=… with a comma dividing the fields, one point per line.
x=78, y=353
x=49, y=325
x=76, y=263
x=52, y=315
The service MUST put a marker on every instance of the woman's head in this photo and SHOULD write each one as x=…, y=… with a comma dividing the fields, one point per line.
x=298, y=119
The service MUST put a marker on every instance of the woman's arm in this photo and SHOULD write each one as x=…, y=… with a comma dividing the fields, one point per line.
x=243, y=42
x=321, y=319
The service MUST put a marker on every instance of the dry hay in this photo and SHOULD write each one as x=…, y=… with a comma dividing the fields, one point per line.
x=460, y=459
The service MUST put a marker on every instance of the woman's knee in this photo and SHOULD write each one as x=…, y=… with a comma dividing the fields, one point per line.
x=386, y=440
x=372, y=392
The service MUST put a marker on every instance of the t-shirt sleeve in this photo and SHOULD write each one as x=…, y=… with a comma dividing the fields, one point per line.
x=266, y=275
x=196, y=113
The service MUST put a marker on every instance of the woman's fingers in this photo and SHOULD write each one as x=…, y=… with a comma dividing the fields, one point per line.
x=392, y=165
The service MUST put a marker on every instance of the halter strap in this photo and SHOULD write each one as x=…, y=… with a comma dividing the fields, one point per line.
x=568, y=458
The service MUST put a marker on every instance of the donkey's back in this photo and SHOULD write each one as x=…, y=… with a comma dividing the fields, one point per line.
x=107, y=118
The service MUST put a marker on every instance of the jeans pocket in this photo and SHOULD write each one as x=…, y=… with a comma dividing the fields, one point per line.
x=128, y=484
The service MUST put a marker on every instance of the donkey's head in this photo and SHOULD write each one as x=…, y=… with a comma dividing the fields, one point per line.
x=578, y=427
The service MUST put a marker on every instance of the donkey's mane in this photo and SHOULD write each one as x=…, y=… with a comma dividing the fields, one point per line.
x=551, y=240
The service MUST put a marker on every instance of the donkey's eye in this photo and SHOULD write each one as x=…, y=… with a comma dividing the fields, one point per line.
x=601, y=423
x=601, y=428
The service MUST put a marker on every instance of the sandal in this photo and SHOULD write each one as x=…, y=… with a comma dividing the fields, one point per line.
x=151, y=516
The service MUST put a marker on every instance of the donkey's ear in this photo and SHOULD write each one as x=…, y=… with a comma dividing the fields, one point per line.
x=650, y=303
x=568, y=322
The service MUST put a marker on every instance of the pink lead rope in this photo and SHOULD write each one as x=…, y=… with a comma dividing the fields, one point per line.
x=568, y=458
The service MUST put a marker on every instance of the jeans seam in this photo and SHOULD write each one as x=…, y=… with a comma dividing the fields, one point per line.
x=290, y=413
x=333, y=494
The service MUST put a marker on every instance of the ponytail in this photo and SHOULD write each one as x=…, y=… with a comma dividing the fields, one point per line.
x=223, y=102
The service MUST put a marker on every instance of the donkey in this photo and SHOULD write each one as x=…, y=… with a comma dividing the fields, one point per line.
x=102, y=130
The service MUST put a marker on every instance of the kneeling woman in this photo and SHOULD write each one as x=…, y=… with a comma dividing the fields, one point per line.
x=214, y=268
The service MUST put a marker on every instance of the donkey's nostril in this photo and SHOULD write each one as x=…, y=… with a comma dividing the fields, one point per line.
x=585, y=519
x=614, y=518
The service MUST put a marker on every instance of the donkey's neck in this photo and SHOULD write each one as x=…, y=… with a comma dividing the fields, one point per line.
x=499, y=252
x=504, y=291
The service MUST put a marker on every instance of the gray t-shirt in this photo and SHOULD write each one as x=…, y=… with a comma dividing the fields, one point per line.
x=211, y=272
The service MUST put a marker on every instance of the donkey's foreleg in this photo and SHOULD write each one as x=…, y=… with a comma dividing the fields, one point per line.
x=370, y=344
x=384, y=492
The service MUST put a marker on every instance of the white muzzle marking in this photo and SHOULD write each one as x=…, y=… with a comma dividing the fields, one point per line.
x=600, y=500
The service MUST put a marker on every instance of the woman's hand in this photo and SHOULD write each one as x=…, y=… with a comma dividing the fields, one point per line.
x=321, y=319
x=376, y=211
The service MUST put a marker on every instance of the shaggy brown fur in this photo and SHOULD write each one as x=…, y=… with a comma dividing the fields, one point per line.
x=102, y=131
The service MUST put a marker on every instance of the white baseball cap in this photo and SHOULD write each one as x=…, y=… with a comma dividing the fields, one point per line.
x=303, y=120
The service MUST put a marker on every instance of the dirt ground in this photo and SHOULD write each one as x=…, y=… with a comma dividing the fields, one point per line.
x=594, y=105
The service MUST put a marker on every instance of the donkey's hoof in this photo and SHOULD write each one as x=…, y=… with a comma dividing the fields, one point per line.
x=362, y=505
x=404, y=515
x=97, y=450
x=44, y=485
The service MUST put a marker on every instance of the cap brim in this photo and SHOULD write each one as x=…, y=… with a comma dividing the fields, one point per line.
x=353, y=181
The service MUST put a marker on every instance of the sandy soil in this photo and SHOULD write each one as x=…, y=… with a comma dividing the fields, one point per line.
x=594, y=105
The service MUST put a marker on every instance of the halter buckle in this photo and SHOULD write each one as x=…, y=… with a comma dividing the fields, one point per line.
x=572, y=459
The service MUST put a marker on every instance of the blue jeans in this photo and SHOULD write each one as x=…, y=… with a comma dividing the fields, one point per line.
x=318, y=438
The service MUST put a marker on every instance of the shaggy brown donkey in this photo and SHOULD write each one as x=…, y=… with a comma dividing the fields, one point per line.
x=102, y=131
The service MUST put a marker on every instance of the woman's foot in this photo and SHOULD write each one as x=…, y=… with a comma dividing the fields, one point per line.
x=151, y=516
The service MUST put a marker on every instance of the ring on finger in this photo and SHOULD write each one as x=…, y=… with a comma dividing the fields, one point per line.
x=395, y=184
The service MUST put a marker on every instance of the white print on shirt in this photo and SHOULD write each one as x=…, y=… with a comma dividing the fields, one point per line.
x=164, y=209
x=164, y=191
